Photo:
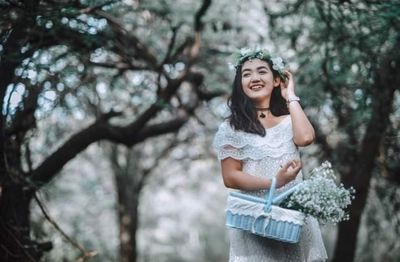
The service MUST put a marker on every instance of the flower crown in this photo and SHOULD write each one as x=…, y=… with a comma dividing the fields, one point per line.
x=245, y=54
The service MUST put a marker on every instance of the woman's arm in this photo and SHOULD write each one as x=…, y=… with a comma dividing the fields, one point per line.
x=303, y=131
x=234, y=177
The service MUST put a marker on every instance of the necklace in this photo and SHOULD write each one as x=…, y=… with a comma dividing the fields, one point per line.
x=262, y=109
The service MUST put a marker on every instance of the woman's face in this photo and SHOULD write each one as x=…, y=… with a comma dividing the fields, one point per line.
x=257, y=79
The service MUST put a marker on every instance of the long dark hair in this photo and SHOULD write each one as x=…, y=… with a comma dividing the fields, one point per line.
x=243, y=109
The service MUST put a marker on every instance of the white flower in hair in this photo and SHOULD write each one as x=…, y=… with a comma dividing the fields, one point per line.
x=277, y=64
x=246, y=53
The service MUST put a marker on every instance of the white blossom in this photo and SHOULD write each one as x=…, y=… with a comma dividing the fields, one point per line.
x=321, y=197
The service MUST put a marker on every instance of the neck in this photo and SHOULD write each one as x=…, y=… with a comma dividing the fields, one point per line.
x=263, y=104
x=262, y=109
x=260, y=106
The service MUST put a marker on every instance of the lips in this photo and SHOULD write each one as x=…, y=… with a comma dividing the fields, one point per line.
x=256, y=87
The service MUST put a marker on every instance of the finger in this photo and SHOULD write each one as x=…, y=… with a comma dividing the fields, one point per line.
x=295, y=166
x=296, y=162
x=288, y=73
x=286, y=165
x=297, y=169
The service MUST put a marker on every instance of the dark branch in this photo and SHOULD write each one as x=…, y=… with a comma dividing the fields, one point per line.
x=128, y=40
x=171, y=44
x=120, y=66
x=100, y=130
x=129, y=135
x=198, y=24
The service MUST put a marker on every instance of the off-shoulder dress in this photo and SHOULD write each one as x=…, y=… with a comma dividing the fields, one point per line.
x=262, y=156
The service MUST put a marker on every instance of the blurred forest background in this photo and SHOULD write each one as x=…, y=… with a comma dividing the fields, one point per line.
x=109, y=110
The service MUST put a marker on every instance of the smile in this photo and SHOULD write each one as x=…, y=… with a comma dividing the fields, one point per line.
x=256, y=87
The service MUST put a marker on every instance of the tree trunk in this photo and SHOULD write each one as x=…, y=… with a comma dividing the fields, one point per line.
x=128, y=224
x=129, y=180
x=361, y=170
x=15, y=226
x=16, y=187
x=346, y=242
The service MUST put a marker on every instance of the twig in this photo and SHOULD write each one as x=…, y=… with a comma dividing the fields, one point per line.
x=85, y=254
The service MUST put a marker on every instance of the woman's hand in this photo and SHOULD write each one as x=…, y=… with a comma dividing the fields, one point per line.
x=287, y=86
x=288, y=172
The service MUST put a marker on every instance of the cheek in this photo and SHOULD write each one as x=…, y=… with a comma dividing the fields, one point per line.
x=245, y=82
x=244, y=89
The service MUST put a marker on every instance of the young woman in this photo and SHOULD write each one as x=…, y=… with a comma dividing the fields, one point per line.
x=259, y=141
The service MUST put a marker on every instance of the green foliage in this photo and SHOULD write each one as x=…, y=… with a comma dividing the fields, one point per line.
x=334, y=48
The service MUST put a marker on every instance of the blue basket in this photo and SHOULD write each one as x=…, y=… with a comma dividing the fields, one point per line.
x=261, y=217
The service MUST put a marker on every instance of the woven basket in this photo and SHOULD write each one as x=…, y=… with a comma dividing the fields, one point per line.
x=262, y=217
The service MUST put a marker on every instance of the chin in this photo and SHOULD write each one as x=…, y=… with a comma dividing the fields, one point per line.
x=257, y=97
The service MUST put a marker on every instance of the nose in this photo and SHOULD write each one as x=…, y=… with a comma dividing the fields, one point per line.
x=255, y=78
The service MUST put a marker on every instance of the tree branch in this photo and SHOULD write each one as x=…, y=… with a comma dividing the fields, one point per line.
x=171, y=44
x=120, y=66
x=58, y=228
x=129, y=40
x=100, y=130
x=198, y=24
x=138, y=130
x=129, y=135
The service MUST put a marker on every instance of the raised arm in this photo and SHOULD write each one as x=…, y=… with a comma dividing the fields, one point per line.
x=303, y=131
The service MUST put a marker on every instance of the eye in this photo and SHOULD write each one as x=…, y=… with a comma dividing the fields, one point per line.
x=246, y=74
x=263, y=72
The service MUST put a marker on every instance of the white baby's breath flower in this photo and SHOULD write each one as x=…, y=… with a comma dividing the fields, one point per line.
x=246, y=53
x=321, y=197
x=277, y=64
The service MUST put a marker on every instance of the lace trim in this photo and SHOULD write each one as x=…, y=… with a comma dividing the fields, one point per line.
x=236, y=205
x=241, y=145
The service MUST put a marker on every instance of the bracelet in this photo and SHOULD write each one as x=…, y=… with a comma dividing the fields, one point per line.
x=292, y=99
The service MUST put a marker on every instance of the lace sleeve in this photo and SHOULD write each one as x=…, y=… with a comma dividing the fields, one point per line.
x=241, y=145
x=226, y=143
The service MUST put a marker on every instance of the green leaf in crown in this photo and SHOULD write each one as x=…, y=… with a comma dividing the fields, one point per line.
x=246, y=53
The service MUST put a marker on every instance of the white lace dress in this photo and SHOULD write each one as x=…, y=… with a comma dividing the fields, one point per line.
x=262, y=156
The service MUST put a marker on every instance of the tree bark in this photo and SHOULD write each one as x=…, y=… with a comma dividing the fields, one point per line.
x=16, y=245
x=128, y=203
x=17, y=187
x=359, y=176
x=129, y=180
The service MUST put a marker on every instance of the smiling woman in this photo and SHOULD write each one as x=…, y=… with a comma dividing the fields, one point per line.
x=258, y=82
x=258, y=143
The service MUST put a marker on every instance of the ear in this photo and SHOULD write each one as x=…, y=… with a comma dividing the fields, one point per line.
x=277, y=81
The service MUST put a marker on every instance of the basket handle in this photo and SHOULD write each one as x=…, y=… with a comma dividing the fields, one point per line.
x=285, y=194
x=269, y=195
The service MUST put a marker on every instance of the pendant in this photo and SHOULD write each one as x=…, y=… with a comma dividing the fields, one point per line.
x=262, y=115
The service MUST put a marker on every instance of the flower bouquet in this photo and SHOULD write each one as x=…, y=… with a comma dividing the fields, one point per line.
x=320, y=196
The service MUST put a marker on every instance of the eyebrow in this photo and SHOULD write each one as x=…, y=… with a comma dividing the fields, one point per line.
x=258, y=68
